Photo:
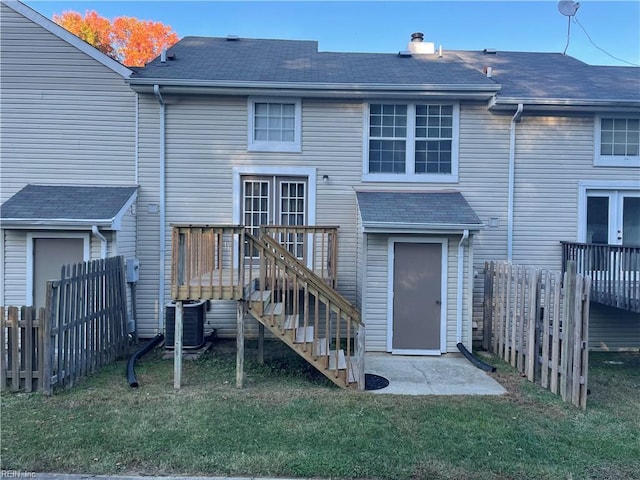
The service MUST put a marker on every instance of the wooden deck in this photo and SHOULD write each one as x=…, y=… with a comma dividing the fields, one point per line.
x=614, y=270
x=285, y=278
x=214, y=262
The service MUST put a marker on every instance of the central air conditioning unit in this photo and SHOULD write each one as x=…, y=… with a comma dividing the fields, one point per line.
x=193, y=319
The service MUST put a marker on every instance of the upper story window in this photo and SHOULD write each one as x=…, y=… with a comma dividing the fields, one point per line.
x=411, y=142
x=274, y=125
x=617, y=141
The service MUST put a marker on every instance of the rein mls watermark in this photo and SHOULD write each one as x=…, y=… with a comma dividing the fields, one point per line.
x=16, y=474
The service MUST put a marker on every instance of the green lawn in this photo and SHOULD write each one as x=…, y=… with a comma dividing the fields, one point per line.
x=291, y=421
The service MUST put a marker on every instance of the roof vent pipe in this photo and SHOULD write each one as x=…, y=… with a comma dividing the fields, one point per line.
x=440, y=51
x=163, y=56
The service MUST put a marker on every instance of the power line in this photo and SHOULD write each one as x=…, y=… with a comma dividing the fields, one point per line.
x=592, y=43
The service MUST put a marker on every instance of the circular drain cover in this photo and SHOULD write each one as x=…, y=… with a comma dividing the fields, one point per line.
x=374, y=382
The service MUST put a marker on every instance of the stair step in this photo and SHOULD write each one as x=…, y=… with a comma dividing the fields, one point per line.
x=274, y=309
x=304, y=335
x=320, y=347
x=290, y=322
x=337, y=357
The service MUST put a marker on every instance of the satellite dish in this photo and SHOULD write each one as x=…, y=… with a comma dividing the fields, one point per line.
x=568, y=8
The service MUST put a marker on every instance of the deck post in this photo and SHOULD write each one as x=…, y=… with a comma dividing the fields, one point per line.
x=260, y=343
x=240, y=344
x=177, y=350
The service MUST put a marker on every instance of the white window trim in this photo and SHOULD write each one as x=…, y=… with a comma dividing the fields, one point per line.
x=31, y=236
x=443, y=293
x=595, y=185
x=410, y=175
x=610, y=160
x=266, y=146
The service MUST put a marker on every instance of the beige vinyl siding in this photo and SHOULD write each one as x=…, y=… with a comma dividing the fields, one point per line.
x=374, y=308
x=125, y=238
x=66, y=118
x=206, y=137
x=612, y=329
x=148, y=217
x=15, y=267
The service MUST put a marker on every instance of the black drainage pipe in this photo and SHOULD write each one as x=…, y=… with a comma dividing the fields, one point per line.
x=473, y=359
x=131, y=364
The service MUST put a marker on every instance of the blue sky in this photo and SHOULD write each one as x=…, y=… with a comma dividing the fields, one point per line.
x=386, y=26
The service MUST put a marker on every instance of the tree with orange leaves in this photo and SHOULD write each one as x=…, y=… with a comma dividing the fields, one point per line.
x=129, y=40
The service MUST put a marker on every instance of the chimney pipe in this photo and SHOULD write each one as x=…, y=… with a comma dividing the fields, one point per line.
x=417, y=37
x=163, y=56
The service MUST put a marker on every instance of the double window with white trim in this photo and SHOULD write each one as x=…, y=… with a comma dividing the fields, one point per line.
x=412, y=142
x=617, y=141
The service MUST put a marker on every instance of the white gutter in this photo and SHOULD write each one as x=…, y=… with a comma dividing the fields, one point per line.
x=465, y=235
x=512, y=173
x=103, y=241
x=156, y=91
x=411, y=87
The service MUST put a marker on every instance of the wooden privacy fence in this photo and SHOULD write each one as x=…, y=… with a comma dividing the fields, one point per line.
x=82, y=328
x=538, y=321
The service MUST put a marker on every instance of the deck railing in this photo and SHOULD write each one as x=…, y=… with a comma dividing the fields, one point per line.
x=315, y=246
x=214, y=261
x=207, y=262
x=614, y=271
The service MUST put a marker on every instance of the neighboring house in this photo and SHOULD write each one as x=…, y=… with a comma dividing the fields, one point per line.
x=430, y=163
x=68, y=182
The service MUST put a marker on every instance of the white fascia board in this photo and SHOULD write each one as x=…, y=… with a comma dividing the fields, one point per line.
x=57, y=223
x=537, y=104
x=422, y=228
x=116, y=223
x=472, y=92
x=68, y=37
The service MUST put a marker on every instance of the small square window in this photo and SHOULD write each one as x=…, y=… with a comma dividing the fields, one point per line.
x=617, y=142
x=274, y=125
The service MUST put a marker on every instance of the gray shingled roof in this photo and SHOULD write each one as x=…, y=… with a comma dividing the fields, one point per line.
x=547, y=76
x=294, y=61
x=529, y=76
x=424, y=210
x=65, y=204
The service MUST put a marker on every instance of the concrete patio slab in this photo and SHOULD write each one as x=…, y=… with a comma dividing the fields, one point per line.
x=449, y=374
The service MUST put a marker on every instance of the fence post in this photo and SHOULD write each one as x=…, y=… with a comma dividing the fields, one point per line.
x=532, y=324
x=3, y=351
x=487, y=321
x=584, y=364
x=177, y=347
x=47, y=367
x=568, y=321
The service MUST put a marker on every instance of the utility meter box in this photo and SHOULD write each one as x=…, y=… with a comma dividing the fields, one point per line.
x=133, y=270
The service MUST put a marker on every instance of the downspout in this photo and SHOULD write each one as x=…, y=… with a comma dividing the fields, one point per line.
x=468, y=355
x=512, y=176
x=465, y=235
x=103, y=241
x=156, y=91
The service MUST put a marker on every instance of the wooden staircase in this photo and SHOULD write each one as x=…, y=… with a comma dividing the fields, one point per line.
x=294, y=298
x=303, y=311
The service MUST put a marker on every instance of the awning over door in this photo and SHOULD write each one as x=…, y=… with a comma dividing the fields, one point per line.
x=68, y=206
x=416, y=212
